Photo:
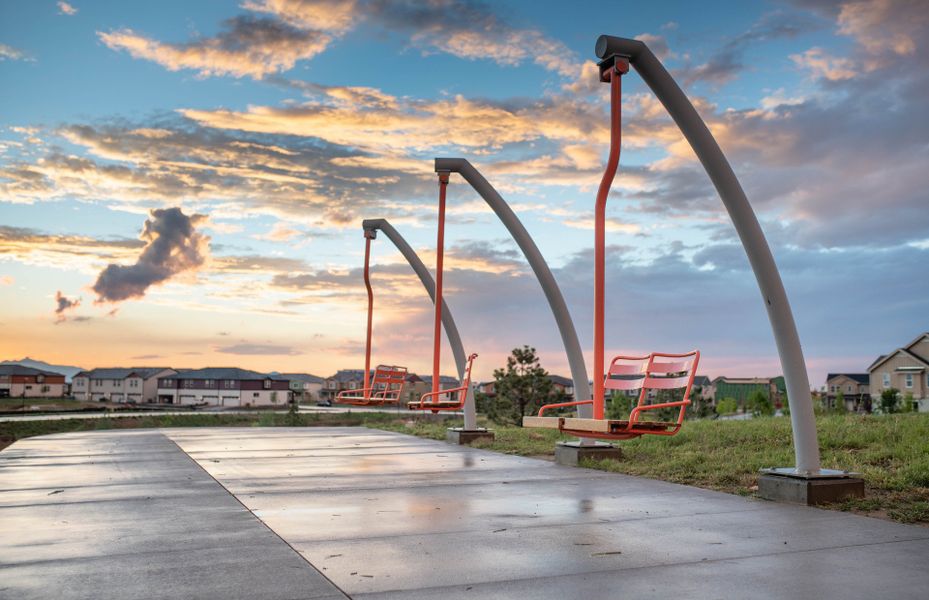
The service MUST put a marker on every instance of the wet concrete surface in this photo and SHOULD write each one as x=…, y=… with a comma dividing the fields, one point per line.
x=384, y=515
x=129, y=515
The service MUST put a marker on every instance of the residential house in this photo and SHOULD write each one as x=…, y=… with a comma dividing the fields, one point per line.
x=740, y=388
x=564, y=385
x=906, y=369
x=345, y=379
x=488, y=388
x=854, y=389
x=424, y=385
x=304, y=387
x=18, y=381
x=224, y=386
x=134, y=385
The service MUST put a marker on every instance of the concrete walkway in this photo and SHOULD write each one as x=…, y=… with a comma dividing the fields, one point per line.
x=383, y=515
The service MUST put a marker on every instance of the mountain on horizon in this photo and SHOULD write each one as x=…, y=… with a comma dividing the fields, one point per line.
x=65, y=370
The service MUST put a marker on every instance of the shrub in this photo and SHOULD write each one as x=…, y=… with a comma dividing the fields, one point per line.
x=727, y=406
x=760, y=404
x=890, y=398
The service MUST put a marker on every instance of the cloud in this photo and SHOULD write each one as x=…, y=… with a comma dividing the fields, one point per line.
x=726, y=63
x=248, y=46
x=64, y=304
x=10, y=53
x=327, y=15
x=61, y=251
x=474, y=32
x=281, y=232
x=257, y=349
x=172, y=246
x=66, y=9
x=821, y=64
x=301, y=29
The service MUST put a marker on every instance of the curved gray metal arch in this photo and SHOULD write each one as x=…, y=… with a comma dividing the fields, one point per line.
x=806, y=446
x=552, y=292
x=451, y=330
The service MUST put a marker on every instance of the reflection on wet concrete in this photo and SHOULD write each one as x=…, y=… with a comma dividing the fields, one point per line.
x=383, y=515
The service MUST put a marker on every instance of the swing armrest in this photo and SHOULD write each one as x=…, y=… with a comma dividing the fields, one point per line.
x=562, y=405
x=449, y=391
x=633, y=416
x=356, y=393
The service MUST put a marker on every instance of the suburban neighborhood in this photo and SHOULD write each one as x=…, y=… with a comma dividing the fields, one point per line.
x=904, y=369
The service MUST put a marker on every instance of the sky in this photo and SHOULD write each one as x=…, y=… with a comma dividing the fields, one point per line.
x=183, y=183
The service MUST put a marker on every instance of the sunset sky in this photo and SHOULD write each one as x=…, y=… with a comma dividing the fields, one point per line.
x=183, y=183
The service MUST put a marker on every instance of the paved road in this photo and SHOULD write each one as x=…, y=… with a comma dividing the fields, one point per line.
x=351, y=512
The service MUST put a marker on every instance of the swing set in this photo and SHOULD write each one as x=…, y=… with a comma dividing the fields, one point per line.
x=385, y=385
x=655, y=374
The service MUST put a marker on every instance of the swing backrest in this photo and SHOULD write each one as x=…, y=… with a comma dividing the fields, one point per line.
x=388, y=381
x=652, y=373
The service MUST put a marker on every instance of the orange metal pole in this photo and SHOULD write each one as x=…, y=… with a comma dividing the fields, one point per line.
x=440, y=251
x=612, y=162
x=367, y=275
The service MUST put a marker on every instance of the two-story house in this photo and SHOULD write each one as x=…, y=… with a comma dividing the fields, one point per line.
x=854, y=390
x=906, y=369
x=303, y=386
x=224, y=386
x=345, y=379
x=18, y=381
x=136, y=384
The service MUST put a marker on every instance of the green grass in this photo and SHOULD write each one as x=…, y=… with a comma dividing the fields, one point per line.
x=17, y=403
x=891, y=452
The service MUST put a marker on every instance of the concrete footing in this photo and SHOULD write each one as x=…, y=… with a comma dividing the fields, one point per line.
x=796, y=489
x=572, y=453
x=464, y=437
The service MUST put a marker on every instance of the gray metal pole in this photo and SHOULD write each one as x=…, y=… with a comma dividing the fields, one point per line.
x=451, y=330
x=806, y=446
x=552, y=292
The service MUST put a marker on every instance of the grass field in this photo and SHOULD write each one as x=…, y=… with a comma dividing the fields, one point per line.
x=891, y=452
x=16, y=404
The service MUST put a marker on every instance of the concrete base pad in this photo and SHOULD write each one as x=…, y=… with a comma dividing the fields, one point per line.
x=571, y=454
x=809, y=491
x=463, y=437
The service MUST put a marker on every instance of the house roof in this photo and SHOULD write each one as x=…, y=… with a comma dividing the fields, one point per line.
x=304, y=377
x=563, y=381
x=909, y=347
x=744, y=380
x=234, y=373
x=701, y=380
x=346, y=375
x=863, y=378
x=881, y=360
x=443, y=379
x=21, y=370
x=121, y=373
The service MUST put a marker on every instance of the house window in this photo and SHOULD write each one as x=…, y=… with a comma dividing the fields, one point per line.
x=45, y=388
x=848, y=388
x=909, y=380
x=267, y=384
x=886, y=380
x=255, y=395
x=352, y=385
x=330, y=385
x=210, y=383
x=832, y=388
